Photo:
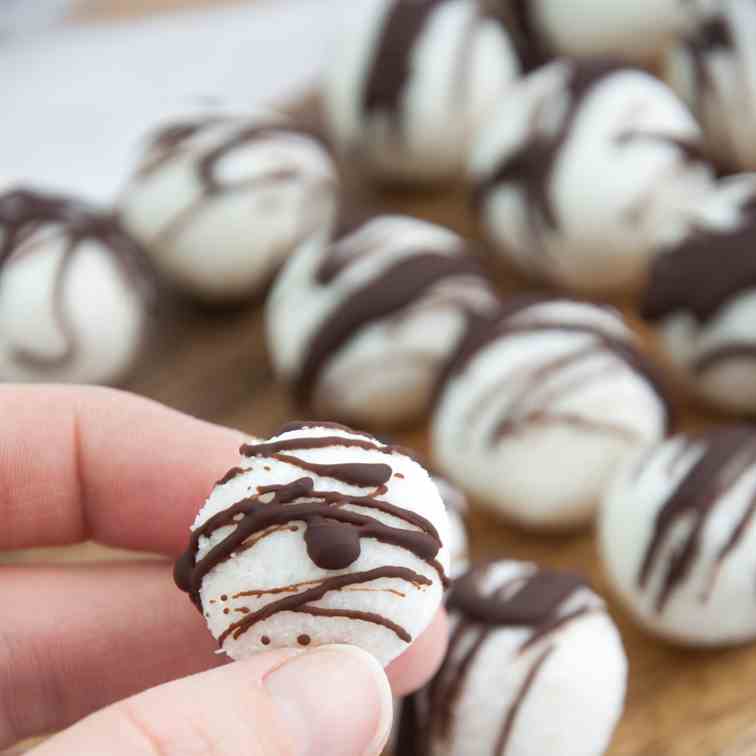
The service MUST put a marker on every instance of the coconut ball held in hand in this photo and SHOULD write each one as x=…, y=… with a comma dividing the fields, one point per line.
x=321, y=535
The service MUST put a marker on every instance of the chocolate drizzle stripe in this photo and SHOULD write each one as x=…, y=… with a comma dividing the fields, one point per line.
x=556, y=624
x=234, y=472
x=519, y=20
x=301, y=600
x=362, y=474
x=391, y=66
x=448, y=684
x=401, y=284
x=729, y=454
x=514, y=709
x=371, y=617
x=715, y=357
x=703, y=274
x=271, y=448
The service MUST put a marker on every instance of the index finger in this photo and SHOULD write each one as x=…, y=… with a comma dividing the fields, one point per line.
x=79, y=463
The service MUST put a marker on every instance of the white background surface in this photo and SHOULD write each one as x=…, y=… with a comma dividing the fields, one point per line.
x=75, y=101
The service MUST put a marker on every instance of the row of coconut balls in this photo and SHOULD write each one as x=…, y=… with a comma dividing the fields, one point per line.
x=219, y=203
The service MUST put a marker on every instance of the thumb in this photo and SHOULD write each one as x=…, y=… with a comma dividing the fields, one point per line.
x=332, y=700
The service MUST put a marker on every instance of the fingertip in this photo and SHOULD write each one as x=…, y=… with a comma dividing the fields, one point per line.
x=422, y=659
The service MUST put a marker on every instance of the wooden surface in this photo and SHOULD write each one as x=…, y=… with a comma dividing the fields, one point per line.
x=680, y=703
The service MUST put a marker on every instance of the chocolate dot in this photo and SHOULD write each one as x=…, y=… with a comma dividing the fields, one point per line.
x=265, y=640
x=332, y=545
x=303, y=640
x=226, y=610
x=224, y=597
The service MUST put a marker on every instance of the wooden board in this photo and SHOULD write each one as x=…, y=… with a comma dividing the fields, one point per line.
x=680, y=703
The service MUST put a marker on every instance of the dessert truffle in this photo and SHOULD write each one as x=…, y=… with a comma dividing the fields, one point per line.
x=540, y=406
x=702, y=296
x=677, y=537
x=713, y=67
x=456, y=510
x=410, y=83
x=637, y=31
x=220, y=202
x=535, y=666
x=75, y=291
x=321, y=535
x=583, y=170
x=361, y=327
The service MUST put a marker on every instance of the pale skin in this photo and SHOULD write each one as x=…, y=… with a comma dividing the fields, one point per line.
x=80, y=644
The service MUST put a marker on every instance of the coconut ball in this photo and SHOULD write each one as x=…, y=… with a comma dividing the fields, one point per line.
x=535, y=666
x=541, y=405
x=75, y=291
x=411, y=81
x=320, y=535
x=677, y=537
x=637, y=31
x=702, y=298
x=584, y=170
x=220, y=202
x=713, y=68
x=362, y=326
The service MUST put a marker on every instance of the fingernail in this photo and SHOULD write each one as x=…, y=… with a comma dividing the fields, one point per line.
x=334, y=700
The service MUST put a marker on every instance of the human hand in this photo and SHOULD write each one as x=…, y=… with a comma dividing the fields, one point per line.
x=87, y=463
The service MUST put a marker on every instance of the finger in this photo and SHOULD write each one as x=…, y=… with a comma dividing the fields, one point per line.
x=83, y=462
x=421, y=660
x=333, y=700
x=80, y=638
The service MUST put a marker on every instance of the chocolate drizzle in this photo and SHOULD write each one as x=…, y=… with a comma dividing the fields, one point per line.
x=703, y=273
x=532, y=404
x=728, y=455
x=519, y=19
x=712, y=36
x=24, y=212
x=391, y=66
x=532, y=600
x=397, y=287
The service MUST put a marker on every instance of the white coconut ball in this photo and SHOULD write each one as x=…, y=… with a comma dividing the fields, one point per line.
x=411, y=81
x=220, y=202
x=701, y=296
x=362, y=327
x=582, y=173
x=713, y=68
x=75, y=291
x=637, y=31
x=535, y=666
x=677, y=537
x=541, y=406
x=321, y=535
